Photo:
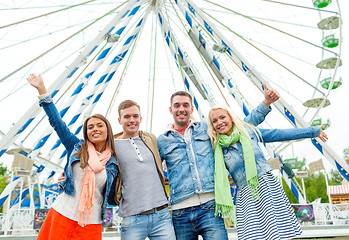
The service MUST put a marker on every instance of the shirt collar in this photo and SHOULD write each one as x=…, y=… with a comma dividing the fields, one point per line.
x=169, y=127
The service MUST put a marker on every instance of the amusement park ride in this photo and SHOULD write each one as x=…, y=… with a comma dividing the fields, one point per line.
x=96, y=53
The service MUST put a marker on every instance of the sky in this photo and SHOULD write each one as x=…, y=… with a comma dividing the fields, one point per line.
x=337, y=112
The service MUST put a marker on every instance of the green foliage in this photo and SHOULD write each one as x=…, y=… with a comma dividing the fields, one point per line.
x=346, y=153
x=289, y=193
x=2, y=183
x=3, y=171
x=2, y=187
x=315, y=186
x=335, y=178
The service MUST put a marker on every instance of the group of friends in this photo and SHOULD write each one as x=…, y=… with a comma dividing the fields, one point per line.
x=126, y=170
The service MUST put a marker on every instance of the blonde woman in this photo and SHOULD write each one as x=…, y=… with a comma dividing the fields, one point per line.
x=262, y=208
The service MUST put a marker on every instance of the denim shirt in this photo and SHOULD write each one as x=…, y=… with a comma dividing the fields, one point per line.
x=190, y=164
x=73, y=145
x=234, y=159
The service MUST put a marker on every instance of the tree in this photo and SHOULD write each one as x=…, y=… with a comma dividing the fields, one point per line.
x=315, y=186
x=289, y=193
x=3, y=171
x=346, y=153
x=335, y=178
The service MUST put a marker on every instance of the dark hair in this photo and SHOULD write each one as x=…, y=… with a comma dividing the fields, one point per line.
x=83, y=153
x=126, y=104
x=182, y=93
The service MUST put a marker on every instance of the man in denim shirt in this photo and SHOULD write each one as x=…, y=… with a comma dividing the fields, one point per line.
x=187, y=150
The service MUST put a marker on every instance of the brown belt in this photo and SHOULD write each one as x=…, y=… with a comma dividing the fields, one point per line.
x=153, y=210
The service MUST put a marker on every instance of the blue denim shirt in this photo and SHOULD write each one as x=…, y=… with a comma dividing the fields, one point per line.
x=190, y=164
x=72, y=145
x=234, y=159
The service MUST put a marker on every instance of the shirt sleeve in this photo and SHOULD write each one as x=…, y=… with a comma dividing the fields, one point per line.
x=257, y=115
x=67, y=138
x=280, y=135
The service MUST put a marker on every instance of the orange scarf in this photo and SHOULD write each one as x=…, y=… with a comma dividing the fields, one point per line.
x=95, y=165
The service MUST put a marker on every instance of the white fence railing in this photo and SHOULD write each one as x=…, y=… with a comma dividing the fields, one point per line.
x=21, y=221
x=17, y=222
x=331, y=214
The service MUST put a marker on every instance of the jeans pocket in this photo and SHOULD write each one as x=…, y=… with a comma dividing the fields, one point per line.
x=177, y=213
x=164, y=214
x=210, y=205
x=128, y=221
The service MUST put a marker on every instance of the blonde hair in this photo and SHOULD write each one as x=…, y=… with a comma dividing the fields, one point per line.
x=237, y=122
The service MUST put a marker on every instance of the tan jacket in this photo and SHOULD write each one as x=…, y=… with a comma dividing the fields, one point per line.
x=149, y=140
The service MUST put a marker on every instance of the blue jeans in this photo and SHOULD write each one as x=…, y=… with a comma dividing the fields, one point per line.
x=191, y=222
x=156, y=226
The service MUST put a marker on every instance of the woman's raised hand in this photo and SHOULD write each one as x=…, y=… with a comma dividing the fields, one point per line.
x=270, y=95
x=38, y=83
x=323, y=135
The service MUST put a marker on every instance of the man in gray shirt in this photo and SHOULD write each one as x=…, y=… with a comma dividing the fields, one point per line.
x=140, y=186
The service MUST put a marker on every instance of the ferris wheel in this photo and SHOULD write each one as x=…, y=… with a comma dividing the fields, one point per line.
x=94, y=54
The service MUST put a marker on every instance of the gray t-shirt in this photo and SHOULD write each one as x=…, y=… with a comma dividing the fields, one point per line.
x=141, y=186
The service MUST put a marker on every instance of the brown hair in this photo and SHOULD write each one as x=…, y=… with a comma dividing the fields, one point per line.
x=182, y=93
x=83, y=153
x=126, y=104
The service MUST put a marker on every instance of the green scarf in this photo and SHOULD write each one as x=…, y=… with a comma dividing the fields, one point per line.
x=224, y=201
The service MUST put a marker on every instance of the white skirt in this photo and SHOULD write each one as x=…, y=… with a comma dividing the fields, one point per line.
x=271, y=217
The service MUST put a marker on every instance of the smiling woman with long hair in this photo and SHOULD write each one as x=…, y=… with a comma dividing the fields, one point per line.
x=89, y=174
x=262, y=208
